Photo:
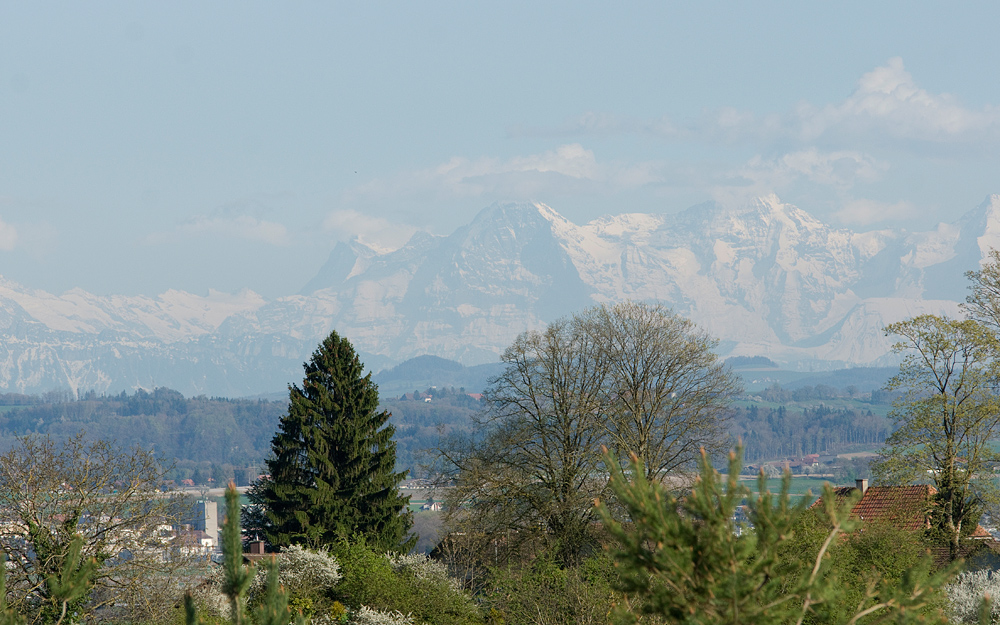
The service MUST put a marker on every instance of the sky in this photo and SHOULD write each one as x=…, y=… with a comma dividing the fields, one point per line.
x=147, y=146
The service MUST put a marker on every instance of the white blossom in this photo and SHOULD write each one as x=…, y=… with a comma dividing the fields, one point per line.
x=422, y=567
x=965, y=595
x=368, y=616
x=300, y=571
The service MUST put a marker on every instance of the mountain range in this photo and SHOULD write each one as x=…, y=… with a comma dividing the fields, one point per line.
x=766, y=278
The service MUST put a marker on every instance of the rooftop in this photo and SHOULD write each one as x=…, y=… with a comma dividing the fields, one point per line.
x=905, y=507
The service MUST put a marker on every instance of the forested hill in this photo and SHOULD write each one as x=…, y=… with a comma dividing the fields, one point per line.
x=226, y=439
x=221, y=438
x=214, y=437
x=197, y=428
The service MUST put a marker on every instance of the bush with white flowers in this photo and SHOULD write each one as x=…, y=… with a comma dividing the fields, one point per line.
x=423, y=568
x=407, y=584
x=965, y=595
x=307, y=576
x=358, y=585
x=302, y=572
x=367, y=616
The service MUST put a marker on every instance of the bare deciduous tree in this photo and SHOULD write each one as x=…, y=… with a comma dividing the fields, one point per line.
x=535, y=472
x=665, y=392
x=52, y=494
x=634, y=377
x=983, y=303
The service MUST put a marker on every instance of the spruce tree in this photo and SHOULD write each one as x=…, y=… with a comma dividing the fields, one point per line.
x=332, y=474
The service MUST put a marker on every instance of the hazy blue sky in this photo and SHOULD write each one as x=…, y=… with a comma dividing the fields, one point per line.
x=192, y=145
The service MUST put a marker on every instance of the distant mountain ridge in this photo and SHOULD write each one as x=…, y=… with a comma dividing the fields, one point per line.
x=765, y=277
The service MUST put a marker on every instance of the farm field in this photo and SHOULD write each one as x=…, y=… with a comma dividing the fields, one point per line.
x=800, y=487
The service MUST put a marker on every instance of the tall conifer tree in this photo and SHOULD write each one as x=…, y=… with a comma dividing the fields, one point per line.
x=332, y=474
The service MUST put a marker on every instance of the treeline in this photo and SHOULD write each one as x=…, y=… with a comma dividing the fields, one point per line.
x=197, y=429
x=778, y=395
x=201, y=437
x=214, y=440
x=746, y=362
x=769, y=433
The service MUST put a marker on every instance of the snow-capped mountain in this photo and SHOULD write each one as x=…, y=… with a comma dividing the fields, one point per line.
x=766, y=278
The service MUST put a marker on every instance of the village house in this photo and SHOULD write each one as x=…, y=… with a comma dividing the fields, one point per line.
x=909, y=508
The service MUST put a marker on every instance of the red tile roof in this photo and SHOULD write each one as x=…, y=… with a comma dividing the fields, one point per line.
x=980, y=533
x=908, y=508
x=905, y=507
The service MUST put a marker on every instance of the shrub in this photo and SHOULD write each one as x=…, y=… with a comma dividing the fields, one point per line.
x=367, y=616
x=965, y=596
x=544, y=592
x=368, y=578
x=412, y=584
x=308, y=577
x=209, y=598
x=424, y=570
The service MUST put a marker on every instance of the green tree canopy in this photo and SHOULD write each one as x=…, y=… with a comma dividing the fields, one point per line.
x=946, y=418
x=332, y=474
x=683, y=560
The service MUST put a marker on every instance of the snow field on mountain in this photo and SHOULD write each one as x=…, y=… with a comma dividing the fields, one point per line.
x=765, y=277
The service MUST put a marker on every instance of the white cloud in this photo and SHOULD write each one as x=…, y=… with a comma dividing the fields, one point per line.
x=568, y=167
x=376, y=232
x=864, y=212
x=240, y=227
x=840, y=169
x=241, y=218
x=888, y=101
x=887, y=106
x=8, y=236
